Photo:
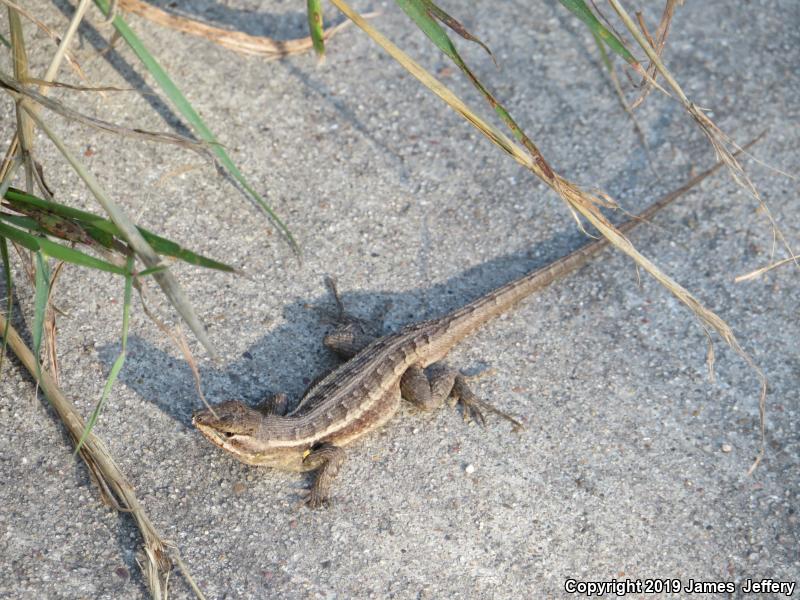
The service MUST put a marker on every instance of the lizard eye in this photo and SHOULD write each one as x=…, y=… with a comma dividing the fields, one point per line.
x=228, y=434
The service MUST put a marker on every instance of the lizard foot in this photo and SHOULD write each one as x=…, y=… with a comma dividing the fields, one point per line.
x=313, y=500
x=473, y=406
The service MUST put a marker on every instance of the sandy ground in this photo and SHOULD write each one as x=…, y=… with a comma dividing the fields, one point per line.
x=633, y=465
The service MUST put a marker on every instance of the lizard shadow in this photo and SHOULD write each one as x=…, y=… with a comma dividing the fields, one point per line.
x=290, y=356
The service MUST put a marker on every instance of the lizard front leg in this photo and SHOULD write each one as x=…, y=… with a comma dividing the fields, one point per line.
x=348, y=339
x=429, y=390
x=274, y=404
x=326, y=460
x=350, y=334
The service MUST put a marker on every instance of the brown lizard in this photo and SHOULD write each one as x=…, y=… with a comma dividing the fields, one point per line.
x=365, y=392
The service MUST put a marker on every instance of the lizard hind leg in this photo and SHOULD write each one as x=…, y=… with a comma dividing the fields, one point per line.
x=326, y=460
x=429, y=390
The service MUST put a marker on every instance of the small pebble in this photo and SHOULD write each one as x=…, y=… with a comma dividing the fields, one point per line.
x=470, y=469
x=726, y=448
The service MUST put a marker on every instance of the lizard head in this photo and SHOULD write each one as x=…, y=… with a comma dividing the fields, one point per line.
x=239, y=429
x=231, y=426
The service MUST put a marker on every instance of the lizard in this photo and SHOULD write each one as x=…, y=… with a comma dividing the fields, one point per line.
x=364, y=392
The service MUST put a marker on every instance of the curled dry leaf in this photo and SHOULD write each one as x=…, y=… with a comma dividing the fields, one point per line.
x=233, y=40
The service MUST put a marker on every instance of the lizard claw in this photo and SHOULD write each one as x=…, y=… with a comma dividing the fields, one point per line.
x=516, y=424
x=471, y=412
x=313, y=500
x=472, y=405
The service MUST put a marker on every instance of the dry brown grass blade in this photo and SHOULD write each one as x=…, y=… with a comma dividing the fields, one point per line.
x=50, y=33
x=718, y=139
x=82, y=88
x=17, y=90
x=114, y=486
x=24, y=124
x=759, y=272
x=576, y=199
x=233, y=40
x=658, y=44
x=50, y=338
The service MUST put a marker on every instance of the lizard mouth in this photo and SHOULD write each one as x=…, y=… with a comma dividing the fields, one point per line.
x=216, y=437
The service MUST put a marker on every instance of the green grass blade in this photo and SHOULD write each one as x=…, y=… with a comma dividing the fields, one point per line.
x=70, y=255
x=18, y=197
x=454, y=24
x=20, y=237
x=190, y=114
x=580, y=10
x=104, y=231
x=418, y=11
x=40, y=306
x=603, y=54
x=167, y=247
x=315, y=27
x=76, y=257
x=150, y=271
x=118, y=363
x=22, y=222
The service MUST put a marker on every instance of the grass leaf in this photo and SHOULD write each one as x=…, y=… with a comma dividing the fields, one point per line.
x=315, y=27
x=580, y=10
x=70, y=255
x=151, y=271
x=418, y=12
x=104, y=231
x=455, y=25
x=40, y=304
